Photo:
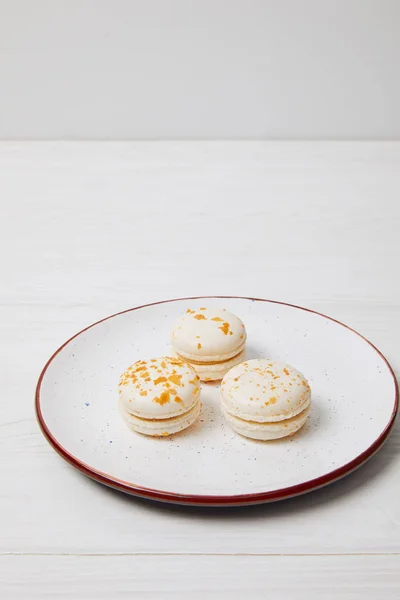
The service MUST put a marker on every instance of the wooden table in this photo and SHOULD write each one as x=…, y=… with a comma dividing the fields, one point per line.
x=88, y=229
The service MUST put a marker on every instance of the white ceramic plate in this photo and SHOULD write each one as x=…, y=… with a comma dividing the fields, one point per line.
x=354, y=393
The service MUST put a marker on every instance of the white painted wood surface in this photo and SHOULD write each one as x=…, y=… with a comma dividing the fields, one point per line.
x=188, y=576
x=89, y=229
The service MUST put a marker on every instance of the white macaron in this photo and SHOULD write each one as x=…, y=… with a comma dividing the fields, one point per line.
x=211, y=340
x=160, y=396
x=265, y=399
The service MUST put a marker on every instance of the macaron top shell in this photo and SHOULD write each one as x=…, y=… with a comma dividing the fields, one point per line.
x=208, y=334
x=263, y=390
x=159, y=388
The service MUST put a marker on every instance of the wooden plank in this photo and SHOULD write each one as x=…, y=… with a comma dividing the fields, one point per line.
x=90, y=229
x=198, y=577
x=48, y=507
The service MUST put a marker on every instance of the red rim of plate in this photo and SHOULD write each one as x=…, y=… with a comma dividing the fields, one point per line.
x=216, y=500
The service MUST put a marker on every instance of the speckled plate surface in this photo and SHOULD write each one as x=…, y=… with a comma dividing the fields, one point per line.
x=354, y=392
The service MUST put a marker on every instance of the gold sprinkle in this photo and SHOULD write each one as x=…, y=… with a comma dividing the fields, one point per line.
x=163, y=399
x=143, y=393
x=160, y=380
x=176, y=379
x=217, y=319
x=200, y=317
x=224, y=328
x=175, y=361
x=198, y=346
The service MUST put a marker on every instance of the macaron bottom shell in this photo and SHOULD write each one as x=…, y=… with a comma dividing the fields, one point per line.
x=160, y=427
x=267, y=430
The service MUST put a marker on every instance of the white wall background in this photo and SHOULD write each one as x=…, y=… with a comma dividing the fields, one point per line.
x=132, y=69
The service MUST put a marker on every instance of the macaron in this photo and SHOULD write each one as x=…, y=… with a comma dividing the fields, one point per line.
x=211, y=340
x=265, y=400
x=160, y=396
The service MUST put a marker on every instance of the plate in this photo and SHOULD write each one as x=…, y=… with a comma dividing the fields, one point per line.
x=354, y=394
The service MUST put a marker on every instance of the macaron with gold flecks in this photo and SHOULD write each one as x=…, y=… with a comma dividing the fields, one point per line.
x=160, y=396
x=211, y=340
x=265, y=400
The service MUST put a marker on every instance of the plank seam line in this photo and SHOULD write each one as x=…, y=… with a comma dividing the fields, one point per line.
x=215, y=554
